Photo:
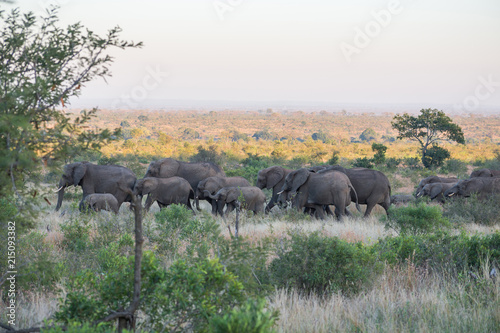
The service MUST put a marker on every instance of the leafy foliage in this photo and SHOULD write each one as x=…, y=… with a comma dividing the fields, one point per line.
x=316, y=263
x=416, y=219
x=435, y=156
x=251, y=317
x=430, y=127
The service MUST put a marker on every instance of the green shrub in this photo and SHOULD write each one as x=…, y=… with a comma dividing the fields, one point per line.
x=334, y=159
x=363, y=162
x=441, y=250
x=392, y=163
x=190, y=295
x=176, y=225
x=250, y=317
x=455, y=166
x=76, y=234
x=435, y=156
x=473, y=210
x=76, y=327
x=95, y=294
x=248, y=262
x=316, y=263
x=416, y=219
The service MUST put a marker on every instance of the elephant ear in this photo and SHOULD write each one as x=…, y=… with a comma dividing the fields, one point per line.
x=78, y=173
x=233, y=195
x=274, y=176
x=300, y=177
x=435, y=191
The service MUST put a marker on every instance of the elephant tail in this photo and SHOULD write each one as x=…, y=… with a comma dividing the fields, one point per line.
x=353, y=190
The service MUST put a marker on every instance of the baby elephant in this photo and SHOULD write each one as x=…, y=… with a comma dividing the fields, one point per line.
x=435, y=191
x=253, y=199
x=165, y=191
x=101, y=201
x=401, y=199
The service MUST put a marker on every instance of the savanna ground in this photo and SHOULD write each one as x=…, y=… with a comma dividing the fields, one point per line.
x=415, y=290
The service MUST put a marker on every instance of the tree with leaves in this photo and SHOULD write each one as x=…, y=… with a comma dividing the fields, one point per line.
x=42, y=66
x=428, y=129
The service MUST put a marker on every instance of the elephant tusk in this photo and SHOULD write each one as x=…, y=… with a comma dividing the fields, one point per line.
x=280, y=192
x=59, y=189
x=418, y=194
x=451, y=194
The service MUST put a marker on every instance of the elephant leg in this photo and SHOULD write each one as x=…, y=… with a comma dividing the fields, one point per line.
x=320, y=212
x=271, y=204
x=215, y=206
x=369, y=207
x=149, y=203
x=230, y=207
x=328, y=210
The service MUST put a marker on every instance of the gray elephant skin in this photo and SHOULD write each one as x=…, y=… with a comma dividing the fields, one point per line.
x=192, y=172
x=164, y=191
x=113, y=179
x=435, y=179
x=101, y=201
x=253, y=199
x=485, y=173
x=435, y=191
x=483, y=186
x=214, y=184
x=272, y=178
x=401, y=199
x=316, y=190
x=372, y=187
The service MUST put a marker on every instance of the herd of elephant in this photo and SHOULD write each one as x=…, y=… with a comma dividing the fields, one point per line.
x=314, y=190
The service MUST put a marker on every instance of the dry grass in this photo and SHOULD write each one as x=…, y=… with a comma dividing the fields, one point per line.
x=405, y=300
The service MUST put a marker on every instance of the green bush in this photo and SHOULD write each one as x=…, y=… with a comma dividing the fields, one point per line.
x=473, y=210
x=76, y=234
x=455, y=166
x=95, y=294
x=441, y=250
x=248, y=262
x=176, y=225
x=416, y=219
x=76, y=327
x=363, y=162
x=190, y=295
x=435, y=156
x=392, y=163
x=250, y=317
x=317, y=263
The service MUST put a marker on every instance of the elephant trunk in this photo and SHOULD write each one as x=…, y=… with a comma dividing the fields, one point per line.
x=60, y=194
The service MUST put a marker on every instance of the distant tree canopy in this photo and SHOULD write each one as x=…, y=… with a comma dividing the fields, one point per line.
x=428, y=129
x=41, y=67
x=368, y=135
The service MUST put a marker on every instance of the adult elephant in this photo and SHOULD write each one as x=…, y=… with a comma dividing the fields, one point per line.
x=483, y=186
x=315, y=190
x=253, y=199
x=164, y=191
x=213, y=184
x=113, y=179
x=485, y=173
x=434, y=179
x=435, y=191
x=272, y=178
x=372, y=187
x=192, y=172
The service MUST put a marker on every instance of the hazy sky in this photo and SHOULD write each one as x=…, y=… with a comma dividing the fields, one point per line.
x=354, y=51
